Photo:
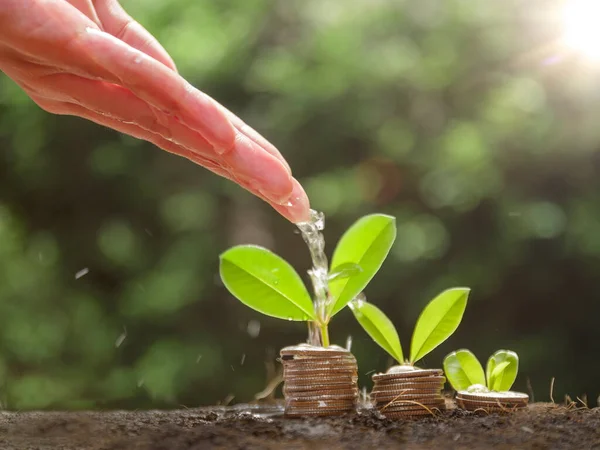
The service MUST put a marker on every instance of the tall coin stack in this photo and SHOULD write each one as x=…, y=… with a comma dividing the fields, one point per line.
x=319, y=381
x=488, y=402
x=404, y=392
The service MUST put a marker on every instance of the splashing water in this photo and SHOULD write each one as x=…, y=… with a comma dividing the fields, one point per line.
x=319, y=273
x=358, y=301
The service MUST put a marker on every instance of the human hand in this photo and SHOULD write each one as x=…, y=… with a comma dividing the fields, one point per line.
x=88, y=58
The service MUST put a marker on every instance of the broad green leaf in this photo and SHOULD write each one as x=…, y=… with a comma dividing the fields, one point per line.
x=438, y=321
x=263, y=281
x=345, y=270
x=502, y=376
x=379, y=327
x=463, y=370
x=366, y=243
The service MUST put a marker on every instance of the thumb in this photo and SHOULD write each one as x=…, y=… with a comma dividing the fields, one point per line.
x=117, y=22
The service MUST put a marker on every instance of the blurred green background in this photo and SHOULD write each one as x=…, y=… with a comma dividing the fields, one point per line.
x=468, y=120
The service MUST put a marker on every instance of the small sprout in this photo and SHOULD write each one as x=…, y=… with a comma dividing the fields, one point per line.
x=265, y=282
x=465, y=373
x=437, y=322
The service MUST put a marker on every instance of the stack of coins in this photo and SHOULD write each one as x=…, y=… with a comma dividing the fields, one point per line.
x=319, y=381
x=491, y=401
x=405, y=391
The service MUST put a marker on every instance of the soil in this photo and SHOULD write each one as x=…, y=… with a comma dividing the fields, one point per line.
x=539, y=426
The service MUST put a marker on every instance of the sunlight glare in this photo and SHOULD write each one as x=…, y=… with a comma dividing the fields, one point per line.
x=582, y=27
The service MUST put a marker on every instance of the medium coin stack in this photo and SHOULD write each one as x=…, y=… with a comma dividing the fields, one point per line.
x=491, y=401
x=319, y=381
x=405, y=392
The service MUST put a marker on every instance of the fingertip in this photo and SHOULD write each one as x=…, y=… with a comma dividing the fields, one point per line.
x=297, y=208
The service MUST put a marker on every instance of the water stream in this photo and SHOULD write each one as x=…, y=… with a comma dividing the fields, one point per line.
x=319, y=273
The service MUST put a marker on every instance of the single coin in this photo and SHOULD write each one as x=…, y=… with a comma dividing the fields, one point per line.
x=501, y=396
x=325, y=397
x=334, y=389
x=410, y=414
x=416, y=380
x=424, y=384
x=414, y=396
x=302, y=383
x=316, y=412
x=331, y=360
x=320, y=404
x=490, y=402
x=303, y=350
x=323, y=380
x=322, y=369
x=471, y=406
x=417, y=373
x=407, y=391
x=495, y=410
x=411, y=403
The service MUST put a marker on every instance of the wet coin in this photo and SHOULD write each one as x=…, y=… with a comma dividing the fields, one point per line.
x=332, y=389
x=417, y=373
x=388, y=397
x=319, y=381
x=348, y=369
x=425, y=383
x=412, y=414
x=508, y=396
x=304, y=350
x=411, y=403
x=490, y=402
x=326, y=396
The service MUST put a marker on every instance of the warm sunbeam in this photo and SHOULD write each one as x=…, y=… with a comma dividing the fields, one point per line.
x=582, y=27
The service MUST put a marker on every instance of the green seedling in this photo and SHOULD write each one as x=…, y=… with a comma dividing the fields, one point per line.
x=437, y=322
x=265, y=282
x=464, y=372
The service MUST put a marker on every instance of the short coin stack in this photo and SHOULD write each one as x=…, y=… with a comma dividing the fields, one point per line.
x=319, y=381
x=405, y=391
x=488, y=402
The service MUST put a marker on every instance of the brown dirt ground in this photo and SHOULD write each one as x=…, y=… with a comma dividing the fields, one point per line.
x=540, y=426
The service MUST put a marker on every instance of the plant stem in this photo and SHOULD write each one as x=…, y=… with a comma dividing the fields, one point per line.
x=324, y=334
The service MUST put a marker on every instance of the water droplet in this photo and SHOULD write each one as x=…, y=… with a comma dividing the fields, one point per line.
x=253, y=328
x=137, y=60
x=121, y=338
x=290, y=318
x=82, y=273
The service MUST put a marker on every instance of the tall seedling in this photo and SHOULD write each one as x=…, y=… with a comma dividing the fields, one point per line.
x=265, y=282
x=437, y=322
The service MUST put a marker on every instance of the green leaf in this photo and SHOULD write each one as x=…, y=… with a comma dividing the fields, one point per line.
x=345, y=270
x=463, y=370
x=438, y=321
x=379, y=327
x=263, y=281
x=366, y=243
x=502, y=376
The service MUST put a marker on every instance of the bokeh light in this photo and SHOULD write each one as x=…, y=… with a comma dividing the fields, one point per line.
x=582, y=27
